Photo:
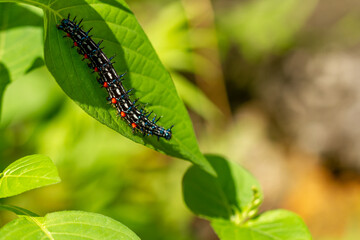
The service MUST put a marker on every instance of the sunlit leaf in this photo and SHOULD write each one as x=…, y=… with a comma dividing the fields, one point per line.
x=66, y=225
x=113, y=22
x=272, y=225
x=21, y=38
x=27, y=173
x=41, y=94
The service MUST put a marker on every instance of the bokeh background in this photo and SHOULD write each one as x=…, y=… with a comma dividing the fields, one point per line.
x=270, y=84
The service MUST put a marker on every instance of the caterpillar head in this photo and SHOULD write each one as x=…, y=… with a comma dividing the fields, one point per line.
x=67, y=26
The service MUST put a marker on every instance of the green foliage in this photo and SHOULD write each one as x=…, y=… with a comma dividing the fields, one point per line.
x=271, y=225
x=18, y=210
x=35, y=171
x=195, y=99
x=224, y=196
x=117, y=26
x=172, y=43
x=66, y=225
x=27, y=173
x=231, y=201
x=264, y=27
x=123, y=36
x=213, y=188
x=21, y=38
x=4, y=80
x=37, y=63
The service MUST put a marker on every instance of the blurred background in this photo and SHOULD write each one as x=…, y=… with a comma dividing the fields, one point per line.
x=271, y=84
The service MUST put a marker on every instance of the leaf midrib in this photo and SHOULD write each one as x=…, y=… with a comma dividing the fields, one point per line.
x=41, y=226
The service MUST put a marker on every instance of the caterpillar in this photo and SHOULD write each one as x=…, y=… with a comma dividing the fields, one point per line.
x=118, y=96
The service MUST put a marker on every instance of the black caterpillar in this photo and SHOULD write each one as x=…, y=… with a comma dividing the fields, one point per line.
x=111, y=81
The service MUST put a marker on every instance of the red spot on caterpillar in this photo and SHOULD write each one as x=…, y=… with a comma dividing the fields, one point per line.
x=133, y=125
x=76, y=44
x=122, y=114
x=96, y=69
x=113, y=100
x=105, y=85
x=68, y=34
x=86, y=56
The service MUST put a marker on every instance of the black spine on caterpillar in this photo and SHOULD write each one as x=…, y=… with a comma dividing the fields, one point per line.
x=137, y=118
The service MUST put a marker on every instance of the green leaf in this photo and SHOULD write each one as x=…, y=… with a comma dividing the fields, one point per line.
x=230, y=195
x=195, y=99
x=27, y=173
x=272, y=225
x=37, y=63
x=263, y=27
x=20, y=38
x=67, y=225
x=4, y=81
x=113, y=22
x=18, y=210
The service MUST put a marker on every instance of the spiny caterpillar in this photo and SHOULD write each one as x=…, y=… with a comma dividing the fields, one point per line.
x=136, y=117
